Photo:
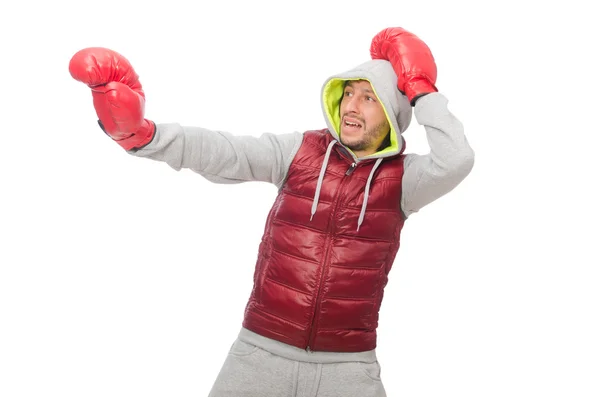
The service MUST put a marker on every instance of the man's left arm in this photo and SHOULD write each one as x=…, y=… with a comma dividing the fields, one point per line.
x=451, y=158
x=427, y=177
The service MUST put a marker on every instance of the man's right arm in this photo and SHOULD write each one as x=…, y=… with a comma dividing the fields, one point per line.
x=218, y=156
x=222, y=157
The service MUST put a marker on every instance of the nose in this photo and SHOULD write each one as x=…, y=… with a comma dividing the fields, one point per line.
x=352, y=105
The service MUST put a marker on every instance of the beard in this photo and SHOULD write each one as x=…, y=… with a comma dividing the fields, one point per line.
x=370, y=138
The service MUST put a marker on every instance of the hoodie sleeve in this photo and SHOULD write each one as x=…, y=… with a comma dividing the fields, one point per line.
x=451, y=158
x=221, y=157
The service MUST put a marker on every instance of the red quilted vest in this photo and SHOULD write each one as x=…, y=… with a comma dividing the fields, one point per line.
x=318, y=284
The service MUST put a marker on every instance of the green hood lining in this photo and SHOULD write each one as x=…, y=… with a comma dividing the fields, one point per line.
x=332, y=94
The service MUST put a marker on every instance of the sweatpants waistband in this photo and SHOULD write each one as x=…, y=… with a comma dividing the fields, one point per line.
x=294, y=353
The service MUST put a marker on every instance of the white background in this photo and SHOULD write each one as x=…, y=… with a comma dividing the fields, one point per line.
x=122, y=277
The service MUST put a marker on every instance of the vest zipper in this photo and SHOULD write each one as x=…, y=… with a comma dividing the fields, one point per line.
x=351, y=169
x=326, y=258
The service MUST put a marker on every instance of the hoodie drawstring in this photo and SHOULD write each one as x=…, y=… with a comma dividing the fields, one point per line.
x=367, y=188
x=322, y=176
x=320, y=181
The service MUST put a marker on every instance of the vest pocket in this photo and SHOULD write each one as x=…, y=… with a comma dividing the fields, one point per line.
x=260, y=270
x=262, y=273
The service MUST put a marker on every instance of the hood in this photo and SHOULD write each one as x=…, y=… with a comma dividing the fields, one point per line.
x=382, y=77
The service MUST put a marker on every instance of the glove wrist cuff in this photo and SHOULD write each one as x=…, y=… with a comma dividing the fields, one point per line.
x=418, y=87
x=142, y=137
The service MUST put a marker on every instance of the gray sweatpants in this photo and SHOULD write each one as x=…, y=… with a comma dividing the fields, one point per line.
x=261, y=367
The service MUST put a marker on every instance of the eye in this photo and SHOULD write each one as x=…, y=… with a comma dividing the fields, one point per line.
x=370, y=99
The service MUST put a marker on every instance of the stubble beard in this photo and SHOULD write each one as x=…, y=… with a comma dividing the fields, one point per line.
x=367, y=140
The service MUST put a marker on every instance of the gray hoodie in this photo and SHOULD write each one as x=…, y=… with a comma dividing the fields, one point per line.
x=222, y=157
x=383, y=80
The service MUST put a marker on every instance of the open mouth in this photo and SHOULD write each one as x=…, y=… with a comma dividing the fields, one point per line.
x=351, y=123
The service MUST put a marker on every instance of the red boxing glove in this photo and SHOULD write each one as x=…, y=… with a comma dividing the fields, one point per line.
x=117, y=93
x=411, y=59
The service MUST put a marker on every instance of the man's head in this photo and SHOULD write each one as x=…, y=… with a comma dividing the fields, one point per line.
x=364, y=125
x=365, y=111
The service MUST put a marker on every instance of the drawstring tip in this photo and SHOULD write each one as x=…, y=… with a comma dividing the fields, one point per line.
x=311, y=216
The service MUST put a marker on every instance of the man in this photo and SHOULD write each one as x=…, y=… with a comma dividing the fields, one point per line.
x=333, y=232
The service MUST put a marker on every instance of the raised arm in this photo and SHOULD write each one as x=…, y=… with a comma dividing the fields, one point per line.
x=451, y=158
x=426, y=177
x=119, y=101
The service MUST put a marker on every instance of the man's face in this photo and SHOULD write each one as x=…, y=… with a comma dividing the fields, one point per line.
x=363, y=122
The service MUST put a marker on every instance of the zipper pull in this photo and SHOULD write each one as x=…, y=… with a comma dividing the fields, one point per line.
x=351, y=169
